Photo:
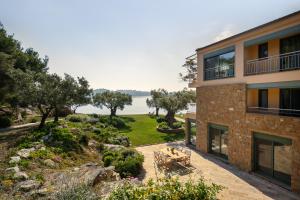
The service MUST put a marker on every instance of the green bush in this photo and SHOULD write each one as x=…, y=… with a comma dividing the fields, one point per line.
x=24, y=163
x=167, y=188
x=41, y=154
x=164, y=126
x=84, y=139
x=127, y=162
x=33, y=119
x=5, y=122
x=116, y=122
x=108, y=160
x=177, y=124
x=160, y=119
x=77, y=118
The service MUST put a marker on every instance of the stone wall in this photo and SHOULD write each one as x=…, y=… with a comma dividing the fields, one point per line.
x=226, y=105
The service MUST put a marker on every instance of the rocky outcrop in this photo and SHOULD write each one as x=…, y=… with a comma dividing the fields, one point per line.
x=24, y=153
x=28, y=185
x=14, y=159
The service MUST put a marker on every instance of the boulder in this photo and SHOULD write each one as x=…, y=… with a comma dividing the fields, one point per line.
x=40, y=192
x=114, y=147
x=49, y=163
x=20, y=176
x=12, y=170
x=93, y=144
x=14, y=159
x=24, y=153
x=28, y=185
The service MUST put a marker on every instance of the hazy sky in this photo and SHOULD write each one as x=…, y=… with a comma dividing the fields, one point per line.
x=130, y=44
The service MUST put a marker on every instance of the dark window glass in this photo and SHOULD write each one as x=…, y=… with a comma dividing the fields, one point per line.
x=273, y=159
x=263, y=50
x=263, y=98
x=220, y=66
x=290, y=47
x=218, y=142
x=290, y=101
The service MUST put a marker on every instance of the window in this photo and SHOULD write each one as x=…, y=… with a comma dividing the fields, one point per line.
x=290, y=48
x=273, y=157
x=263, y=98
x=263, y=50
x=290, y=101
x=218, y=140
x=220, y=66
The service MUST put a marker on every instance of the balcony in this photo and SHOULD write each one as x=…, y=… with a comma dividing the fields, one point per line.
x=274, y=101
x=277, y=63
x=274, y=111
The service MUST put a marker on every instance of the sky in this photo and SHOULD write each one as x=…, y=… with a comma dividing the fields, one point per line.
x=131, y=44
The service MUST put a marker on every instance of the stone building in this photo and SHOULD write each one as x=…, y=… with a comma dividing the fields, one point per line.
x=248, y=100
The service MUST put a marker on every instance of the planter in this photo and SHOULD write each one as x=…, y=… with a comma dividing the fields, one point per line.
x=177, y=130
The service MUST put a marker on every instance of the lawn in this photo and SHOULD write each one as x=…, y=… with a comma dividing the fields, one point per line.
x=142, y=131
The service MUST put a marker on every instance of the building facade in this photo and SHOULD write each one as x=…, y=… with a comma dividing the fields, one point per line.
x=248, y=100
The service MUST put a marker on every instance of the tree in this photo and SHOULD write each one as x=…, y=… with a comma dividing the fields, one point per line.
x=83, y=94
x=112, y=100
x=190, y=73
x=176, y=101
x=154, y=101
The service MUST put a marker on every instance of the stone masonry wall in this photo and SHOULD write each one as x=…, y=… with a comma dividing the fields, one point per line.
x=226, y=105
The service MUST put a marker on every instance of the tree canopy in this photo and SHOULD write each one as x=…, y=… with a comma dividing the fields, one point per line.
x=155, y=97
x=112, y=100
x=190, y=73
x=174, y=102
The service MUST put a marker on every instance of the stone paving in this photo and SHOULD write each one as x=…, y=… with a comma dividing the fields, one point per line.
x=238, y=184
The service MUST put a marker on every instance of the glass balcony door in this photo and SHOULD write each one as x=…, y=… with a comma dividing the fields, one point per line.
x=273, y=157
x=218, y=141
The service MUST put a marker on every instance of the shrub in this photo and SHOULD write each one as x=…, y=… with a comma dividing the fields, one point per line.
x=77, y=118
x=120, y=140
x=41, y=154
x=116, y=122
x=164, y=126
x=177, y=125
x=33, y=119
x=84, y=139
x=160, y=119
x=5, y=122
x=167, y=188
x=108, y=160
x=127, y=162
x=24, y=163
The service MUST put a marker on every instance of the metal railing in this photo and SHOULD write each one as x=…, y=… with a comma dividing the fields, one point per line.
x=278, y=63
x=222, y=71
x=274, y=111
x=191, y=108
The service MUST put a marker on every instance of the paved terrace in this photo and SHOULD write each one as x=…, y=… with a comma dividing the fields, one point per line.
x=239, y=184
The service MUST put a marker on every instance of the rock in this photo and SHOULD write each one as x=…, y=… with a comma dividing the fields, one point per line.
x=14, y=159
x=40, y=192
x=20, y=176
x=47, y=138
x=24, y=153
x=12, y=170
x=75, y=169
x=96, y=130
x=92, y=120
x=50, y=163
x=92, y=143
x=28, y=185
x=113, y=147
x=43, y=148
x=75, y=130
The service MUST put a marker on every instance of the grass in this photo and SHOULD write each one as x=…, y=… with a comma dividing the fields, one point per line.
x=143, y=131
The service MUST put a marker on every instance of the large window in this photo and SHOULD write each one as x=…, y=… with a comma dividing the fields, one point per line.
x=218, y=140
x=290, y=101
x=273, y=157
x=220, y=66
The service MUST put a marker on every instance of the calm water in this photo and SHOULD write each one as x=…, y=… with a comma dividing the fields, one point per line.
x=138, y=106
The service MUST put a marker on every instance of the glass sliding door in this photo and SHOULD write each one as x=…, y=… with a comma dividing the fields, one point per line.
x=218, y=140
x=273, y=157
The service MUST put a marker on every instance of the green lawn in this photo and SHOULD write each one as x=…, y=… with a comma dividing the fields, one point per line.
x=142, y=131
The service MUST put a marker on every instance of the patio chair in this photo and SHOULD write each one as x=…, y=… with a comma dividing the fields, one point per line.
x=162, y=161
x=186, y=160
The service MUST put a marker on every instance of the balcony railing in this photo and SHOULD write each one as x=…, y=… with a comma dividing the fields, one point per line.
x=275, y=111
x=191, y=108
x=278, y=63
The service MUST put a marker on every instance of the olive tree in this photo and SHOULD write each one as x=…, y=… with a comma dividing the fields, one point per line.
x=190, y=73
x=112, y=100
x=154, y=101
x=174, y=102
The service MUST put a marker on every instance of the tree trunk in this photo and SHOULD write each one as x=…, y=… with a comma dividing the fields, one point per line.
x=156, y=111
x=113, y=112
x=170, y=117
x=56, y=115
x=43, y=120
